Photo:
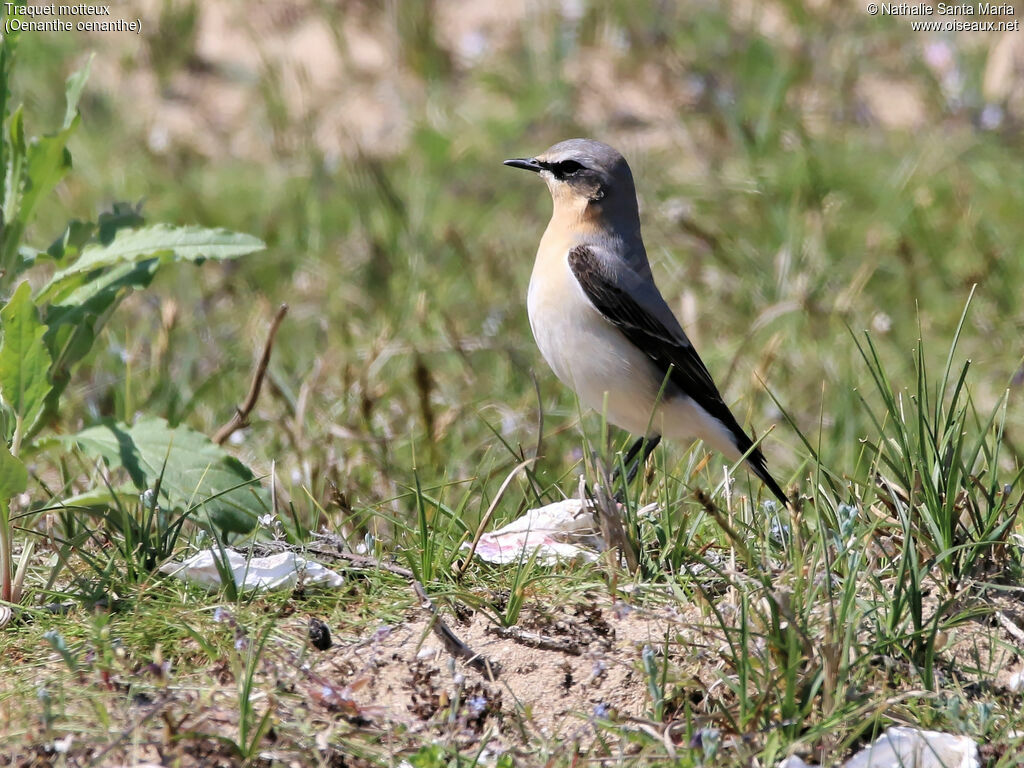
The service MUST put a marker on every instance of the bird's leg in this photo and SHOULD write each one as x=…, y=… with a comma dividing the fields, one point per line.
x=630, y=455
x=648, y=444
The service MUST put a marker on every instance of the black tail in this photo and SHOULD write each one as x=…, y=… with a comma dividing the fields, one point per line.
x=760, y=467
x=755, y=458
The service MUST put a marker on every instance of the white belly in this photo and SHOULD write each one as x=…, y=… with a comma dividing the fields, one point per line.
x=592, y=357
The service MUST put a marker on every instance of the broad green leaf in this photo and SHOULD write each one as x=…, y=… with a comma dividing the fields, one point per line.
x=14, y=172
x=13, y=475
x=73, y=325
x=66, y=248
x=7, y=46
x=90, y=302
x=197, y=473
x=24, y=359
x=176, y=243
x=101, y=498
x=73, y=90
x=14, y=188
x=48, y=161
x=82, y=301
x=32, y=169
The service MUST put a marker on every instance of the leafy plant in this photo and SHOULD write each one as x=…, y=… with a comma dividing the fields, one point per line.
x=48, y=332
x=180, y=465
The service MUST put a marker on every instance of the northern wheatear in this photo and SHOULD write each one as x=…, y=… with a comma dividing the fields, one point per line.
x=600, y=321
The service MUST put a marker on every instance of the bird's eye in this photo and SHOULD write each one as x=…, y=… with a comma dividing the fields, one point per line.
x=567, y=168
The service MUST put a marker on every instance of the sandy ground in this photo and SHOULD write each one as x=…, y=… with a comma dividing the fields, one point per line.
x=595, y=672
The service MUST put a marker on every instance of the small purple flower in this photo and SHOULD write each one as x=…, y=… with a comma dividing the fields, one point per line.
x=477, y=705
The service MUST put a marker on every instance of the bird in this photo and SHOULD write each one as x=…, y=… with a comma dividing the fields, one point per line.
x=601, y=323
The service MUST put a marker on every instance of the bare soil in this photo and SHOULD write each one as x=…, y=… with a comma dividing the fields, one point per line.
x=591, y=669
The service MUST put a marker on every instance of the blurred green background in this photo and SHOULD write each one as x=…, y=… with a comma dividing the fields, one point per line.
x=804, y=170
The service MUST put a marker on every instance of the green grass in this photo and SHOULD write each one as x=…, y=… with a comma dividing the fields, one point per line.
x=803, y=244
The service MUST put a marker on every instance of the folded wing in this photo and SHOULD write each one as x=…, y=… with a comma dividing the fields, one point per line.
x=638, y=310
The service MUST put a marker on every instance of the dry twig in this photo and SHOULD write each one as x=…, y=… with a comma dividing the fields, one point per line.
x=240, y=419
x=1011, y=627
x=536, y=640
x=451, y=641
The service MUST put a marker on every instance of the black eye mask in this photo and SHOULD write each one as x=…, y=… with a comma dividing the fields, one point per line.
x=583, y=180
x=566, y=168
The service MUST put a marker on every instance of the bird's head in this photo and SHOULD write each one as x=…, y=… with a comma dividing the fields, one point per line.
x=583, y=175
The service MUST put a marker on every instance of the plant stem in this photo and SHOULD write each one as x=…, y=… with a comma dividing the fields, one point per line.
x=6, y=564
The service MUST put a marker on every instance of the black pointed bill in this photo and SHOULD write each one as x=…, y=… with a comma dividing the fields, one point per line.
x=526, y=163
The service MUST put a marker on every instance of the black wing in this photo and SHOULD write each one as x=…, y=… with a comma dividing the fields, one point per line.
x=671, y=352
